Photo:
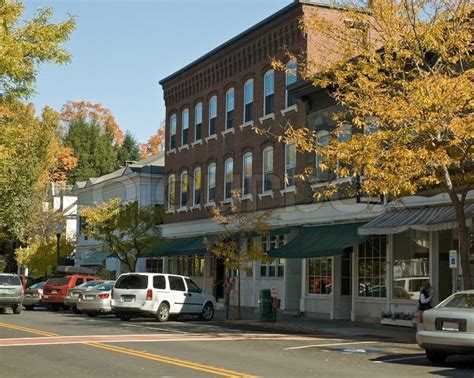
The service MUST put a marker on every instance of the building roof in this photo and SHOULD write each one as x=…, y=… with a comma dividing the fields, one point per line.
x=266, y=21
x=151, y=165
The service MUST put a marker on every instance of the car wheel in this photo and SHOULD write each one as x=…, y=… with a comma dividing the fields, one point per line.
x=92, y=314
x=436, y=357
x=29, y=308
x=207, y=312
x=163, y=313
x=17, y=309
x=124, y=317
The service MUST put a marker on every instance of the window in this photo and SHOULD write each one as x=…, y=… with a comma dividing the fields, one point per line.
x=173, y=131
x=291, y=77
x=184, y=189
x=247, y=174
x=191, y=266
x=176, y=283
x=159, y=282
x=267, y=169
x=346, y=272
x=269, y=90
x=132, y=281
x=372, y=267
x=228, y=177
x=211, y=183
x=319, y=276
x=198, y=121
x=248, y=101
x=290, y=164
x=184, y=127
x=171, y=191
x=154, y=265
x=212, y=115
x=197, y=186
x=192, y=286
x=277, y=267
x=322, y=141
x=229, y=109
x=410, y=263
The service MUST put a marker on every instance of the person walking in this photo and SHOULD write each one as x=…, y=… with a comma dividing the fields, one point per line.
x=426, y=295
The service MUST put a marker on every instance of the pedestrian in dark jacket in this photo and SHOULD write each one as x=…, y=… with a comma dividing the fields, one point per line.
x=426, y=294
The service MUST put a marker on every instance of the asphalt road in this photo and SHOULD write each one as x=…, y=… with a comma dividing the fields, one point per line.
x=44, y=344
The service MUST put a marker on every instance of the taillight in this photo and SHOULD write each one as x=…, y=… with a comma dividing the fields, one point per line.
x=420, y=317
x=149, y=295
x=103, y=296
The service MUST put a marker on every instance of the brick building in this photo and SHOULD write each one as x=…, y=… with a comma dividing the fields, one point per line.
x=212, y=107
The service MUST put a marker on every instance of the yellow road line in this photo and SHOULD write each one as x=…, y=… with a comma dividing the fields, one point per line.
x=170, y=361
x=28, y=330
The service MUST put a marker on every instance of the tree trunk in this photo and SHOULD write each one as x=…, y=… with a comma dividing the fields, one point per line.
x=463, y=233
x=239, y=312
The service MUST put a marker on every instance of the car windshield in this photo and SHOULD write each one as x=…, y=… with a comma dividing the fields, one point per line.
x=38, y=285
x=89, y=284
x=132, y=281
x=64, y=280
x=104, y=287
x=461, y=300
x=9, y=280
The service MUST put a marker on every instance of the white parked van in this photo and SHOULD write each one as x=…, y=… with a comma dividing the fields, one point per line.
x=159, y=295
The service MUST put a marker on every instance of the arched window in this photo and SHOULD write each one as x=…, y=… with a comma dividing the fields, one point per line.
x=198, y=121
x=247, y=174
x=269, y=92
x=184, y=189
x=211, y=183
x=197, y=186
x=173, y=131
x=322, y=138
x=229, y=109
x=248, y=101
x=171, y=191
x=228, y=178
x=267, y=169
x=290, y=164
x=212, y=115
x=184, y=126
x=291, y=78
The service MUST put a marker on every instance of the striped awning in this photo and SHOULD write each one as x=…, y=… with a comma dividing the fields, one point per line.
x=434, y=218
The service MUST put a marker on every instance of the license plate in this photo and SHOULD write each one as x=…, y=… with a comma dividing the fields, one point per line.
x=127, y=298
x=74, y=295
x=45, y=296
x=450, y=326
x=90, y=296
x=27, y=295
x=54, y=291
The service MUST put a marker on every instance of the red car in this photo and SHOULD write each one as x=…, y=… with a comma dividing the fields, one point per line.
x=55, y=289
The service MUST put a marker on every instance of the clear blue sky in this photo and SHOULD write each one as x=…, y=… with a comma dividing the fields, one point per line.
x=121, y=49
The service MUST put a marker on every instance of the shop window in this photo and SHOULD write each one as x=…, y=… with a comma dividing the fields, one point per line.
x=154, y=265
x=320, y=276
x=372, y=267
x=190, y=266
x=410, y=264
x=277, y=267
x=346, y=272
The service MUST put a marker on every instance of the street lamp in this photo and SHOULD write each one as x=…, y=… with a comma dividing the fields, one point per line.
x=58, y=228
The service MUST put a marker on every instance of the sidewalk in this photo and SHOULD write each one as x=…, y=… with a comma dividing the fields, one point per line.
x=286, y=323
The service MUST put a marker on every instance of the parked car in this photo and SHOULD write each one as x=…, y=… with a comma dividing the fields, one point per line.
x=96, y=300
x=56, y=288
x=11, y=293
x=33, y=296
x=161, y=296
x=448, y=328
x=70, y=300
x=412, y=285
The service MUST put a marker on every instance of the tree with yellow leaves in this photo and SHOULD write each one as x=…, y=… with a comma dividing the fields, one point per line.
x=403, y=71
x=234, y=243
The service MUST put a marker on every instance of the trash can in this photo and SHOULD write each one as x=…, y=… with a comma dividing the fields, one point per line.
x=266, y=310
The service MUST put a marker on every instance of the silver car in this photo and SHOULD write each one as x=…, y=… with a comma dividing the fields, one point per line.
x=70, y=299
x=11, y=293
x=96, y=300
x=33, y=296
x=448, y=328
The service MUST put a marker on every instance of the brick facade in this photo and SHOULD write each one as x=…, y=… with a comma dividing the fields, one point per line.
x=248, y=56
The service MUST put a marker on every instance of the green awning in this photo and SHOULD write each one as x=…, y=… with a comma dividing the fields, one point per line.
x=320, y=241
x=95, y=258
x=193, y=245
